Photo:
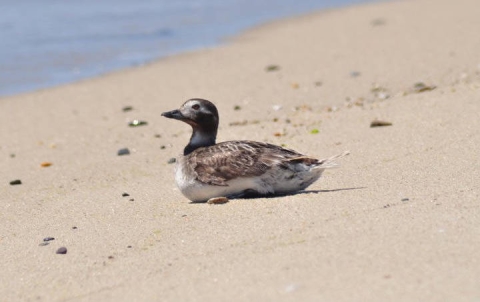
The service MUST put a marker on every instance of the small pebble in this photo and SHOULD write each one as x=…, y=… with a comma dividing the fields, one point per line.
x=45, y=164
x=172, y=160
x=157, y=136
x=354, y=74
x=125, y=194
x=111, y=257
x=376, y=89
x=129, y=246
x=162, y=147
x=421, y=87
x=62, y=250
x=136, y=123
x=218, y=200
x=405, y=199
x=236, y=107
x=16, y=182
x=44, y=243
x=377, y=123
x=378, y=22
x=131, y=199
x=123, y=151
x=48, y=239
x=272, y=68
x=383, y=95
x=74, y=228
x=12, y=155
x=127, y=108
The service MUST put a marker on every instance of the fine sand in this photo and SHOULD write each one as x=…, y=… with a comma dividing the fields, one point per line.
x=399, y=221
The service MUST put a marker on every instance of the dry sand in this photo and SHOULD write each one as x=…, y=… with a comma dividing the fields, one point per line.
x=399, y=221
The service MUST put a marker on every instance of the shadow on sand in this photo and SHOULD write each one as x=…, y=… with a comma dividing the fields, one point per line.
x=255, y=195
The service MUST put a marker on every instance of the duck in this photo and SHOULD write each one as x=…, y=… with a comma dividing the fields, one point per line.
x=217, y=172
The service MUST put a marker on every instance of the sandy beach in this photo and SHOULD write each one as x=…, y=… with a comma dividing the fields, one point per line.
x=398, y=221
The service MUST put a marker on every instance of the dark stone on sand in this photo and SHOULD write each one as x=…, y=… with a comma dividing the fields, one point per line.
x=127, y=108
x=421, y=87
x=377, y=123
x=172, y=160
x=354, y=74
x=62, y=250
x=123, y=151
x=15, y=182
x=378, y=22
x=405, y=199
x=125, y=194
x=131, y=199
x=48, y=239
x=272, y=68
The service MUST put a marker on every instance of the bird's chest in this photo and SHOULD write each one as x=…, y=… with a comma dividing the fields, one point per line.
x=183, y=176
x=187, y=183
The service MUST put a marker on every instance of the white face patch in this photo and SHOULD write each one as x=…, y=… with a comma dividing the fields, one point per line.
x=191, y=107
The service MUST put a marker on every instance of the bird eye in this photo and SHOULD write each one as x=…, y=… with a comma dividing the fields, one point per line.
x=196, y=107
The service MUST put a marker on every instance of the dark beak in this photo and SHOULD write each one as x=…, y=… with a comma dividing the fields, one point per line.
x=175, y=114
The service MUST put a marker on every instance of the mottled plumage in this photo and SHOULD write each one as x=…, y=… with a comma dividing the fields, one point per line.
x=237, y=168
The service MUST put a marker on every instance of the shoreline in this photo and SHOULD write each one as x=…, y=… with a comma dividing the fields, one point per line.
x=397, y=221
x=173, y=45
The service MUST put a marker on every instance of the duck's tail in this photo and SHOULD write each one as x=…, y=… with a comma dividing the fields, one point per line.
x=330, y=162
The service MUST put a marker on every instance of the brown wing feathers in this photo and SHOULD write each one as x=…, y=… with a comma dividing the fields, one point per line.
x=217, y=164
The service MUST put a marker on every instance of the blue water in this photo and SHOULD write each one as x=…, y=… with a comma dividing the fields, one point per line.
x=44, y=43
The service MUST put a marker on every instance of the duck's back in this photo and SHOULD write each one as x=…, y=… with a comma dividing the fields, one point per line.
x=222, y=162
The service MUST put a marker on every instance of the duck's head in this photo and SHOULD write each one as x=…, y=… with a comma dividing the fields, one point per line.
x=202, y=115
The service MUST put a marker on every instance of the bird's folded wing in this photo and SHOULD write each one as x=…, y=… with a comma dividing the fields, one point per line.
x=215, y=165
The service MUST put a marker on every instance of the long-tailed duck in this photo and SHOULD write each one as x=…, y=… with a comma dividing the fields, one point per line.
x=214, y=172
